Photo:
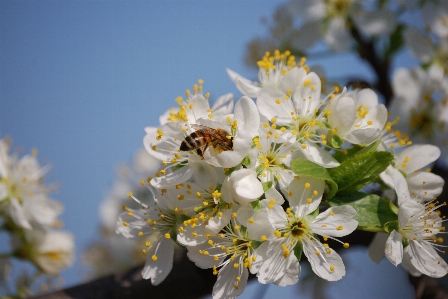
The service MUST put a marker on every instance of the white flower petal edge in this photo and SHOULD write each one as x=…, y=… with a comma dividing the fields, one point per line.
x=425, y=259
x=157, y=269
x=394, y=248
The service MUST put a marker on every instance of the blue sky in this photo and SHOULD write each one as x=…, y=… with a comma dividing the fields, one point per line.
x=79, y=81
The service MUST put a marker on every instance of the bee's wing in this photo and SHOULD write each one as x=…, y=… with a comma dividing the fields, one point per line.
x=200, y=127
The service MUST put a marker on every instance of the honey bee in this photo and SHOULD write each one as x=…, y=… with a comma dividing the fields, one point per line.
x=204, y=137
x=358, y=84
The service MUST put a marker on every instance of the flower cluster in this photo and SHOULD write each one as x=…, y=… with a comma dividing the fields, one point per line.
x=30, y=216
x=377, y=33
x=250, y=186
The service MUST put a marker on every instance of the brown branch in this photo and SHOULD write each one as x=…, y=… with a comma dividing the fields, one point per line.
x=367, y=51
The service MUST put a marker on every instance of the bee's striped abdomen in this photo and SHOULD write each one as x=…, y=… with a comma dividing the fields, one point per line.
x=192, y=142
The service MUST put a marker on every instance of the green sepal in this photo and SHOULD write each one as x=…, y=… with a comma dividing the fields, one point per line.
x=246, y=161
x=313, y=214
x=359, y=171
x=306, y=167
x=298, y=249
x=335, y=140
x=255, y=244
x=266, y=186
x=256, y=205
x=374, y=212
x=390, y=226
x=229, y=171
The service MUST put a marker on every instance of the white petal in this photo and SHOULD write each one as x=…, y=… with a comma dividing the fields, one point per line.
x=367, y=97
x=298, y=195
x=400, y=185
x=274, y=265
x=244, y=213
x=425, y=259
x=376, y=247
x=407, y=209
x=260, y=226
x=245, y=186
x=42, y=209
x=291, y=276
x=247, y=87
x=172, y=179
x=17, y=214
x=204, y=175
x=266, y=103
x=158, y=270
x=292, y=79
x=343, y=114
x=394, y=248
x=246, y=113
x=425, y=186
x=416, y=157
x=325, y=262
x=307, y=96
x=225, y=284
x=192, y=236
x=277, y=216
x=223, y=105
x=195, y=254
x=273, y=194
x=198, y=108
x=319, y=156
x=216, y=224
x=386, y=176
x=408, y=265
x=335, y=222
x=227, y=159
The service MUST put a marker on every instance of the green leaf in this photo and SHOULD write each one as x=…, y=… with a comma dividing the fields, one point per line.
x=298, y=249
x=346, y=154
x=369, y=149
x=343, y=155
x=266, y=186
x=374, y=212
x=306, y=167
x=396, y=41
x=359, y=171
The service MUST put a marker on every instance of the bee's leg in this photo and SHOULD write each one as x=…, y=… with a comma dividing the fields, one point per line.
x=201, y=151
